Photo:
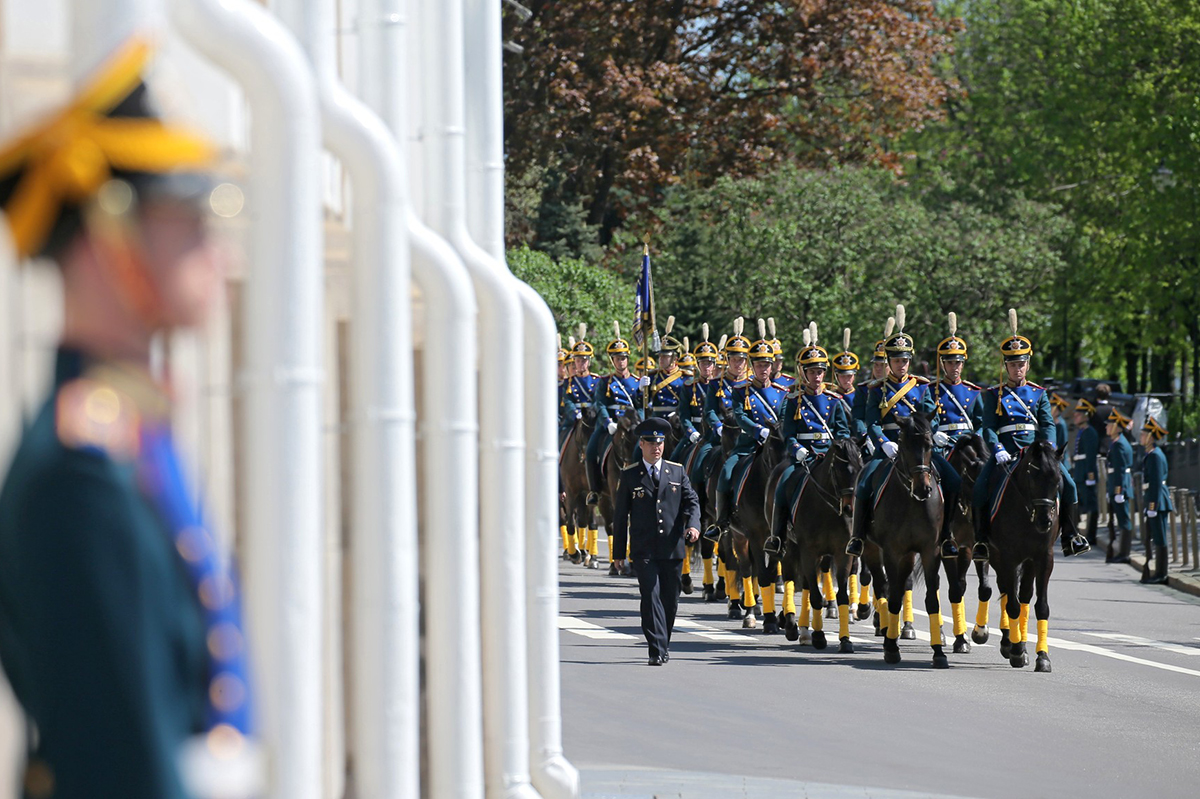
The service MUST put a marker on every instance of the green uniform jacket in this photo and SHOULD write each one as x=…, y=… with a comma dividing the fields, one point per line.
x=1087, y=448
x=1120, y=464
x=1154, y=485
x=101, y=634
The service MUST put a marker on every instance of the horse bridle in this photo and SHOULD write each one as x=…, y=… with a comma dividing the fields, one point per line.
x=1031, y=505
x=829, y=497
x=909, y=477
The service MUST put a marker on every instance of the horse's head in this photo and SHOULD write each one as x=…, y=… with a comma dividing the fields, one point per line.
x=843, y=462
x=624, y=439
x=968, y=457
x=915, y=456
x=1037, y=474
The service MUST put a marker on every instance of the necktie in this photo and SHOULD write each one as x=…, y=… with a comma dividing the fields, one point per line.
x=654, y=475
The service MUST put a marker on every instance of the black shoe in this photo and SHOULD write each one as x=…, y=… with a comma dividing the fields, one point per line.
x=949, y=549
x=980, y=552
x=773, y=545
x=592, y=498
x=664, y=657
x=1075, y=545
x=1118, y=559
x=685, y=584
x=656, y=660
x=855, y=547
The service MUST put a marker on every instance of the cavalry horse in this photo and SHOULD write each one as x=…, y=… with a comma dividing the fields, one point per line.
x=908, y=515
x=572, y=476
x=749, y=527
x=622, y=452
x=967, y=457
x=729, y=436
x=1025, y=524
x=821, y=527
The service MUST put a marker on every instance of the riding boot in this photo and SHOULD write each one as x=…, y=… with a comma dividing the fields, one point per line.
x=980, y=553
x=1093, y=522
x=595, y=481
x=1160, y=567
x=779, y=526
x=721, y=507
x=862, y=523
x=1073, y=542
x=949, y=549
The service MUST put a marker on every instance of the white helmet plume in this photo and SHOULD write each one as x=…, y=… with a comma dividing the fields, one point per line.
x=687, y=347
x=953, y=323
x=721, y=343
x=582, y=331
x=559, y=335
x=846, y=340
x=771, y=326
x=704, y=331
x=571, y=342
x=739, y=325
x=806, y=337
x=900, y=318
x=889, y=327
x=1012, y=320
x=762, y=328
x=670, y=326
x=812, y=332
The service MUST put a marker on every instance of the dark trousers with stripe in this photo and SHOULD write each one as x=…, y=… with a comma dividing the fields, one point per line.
x=659, y=581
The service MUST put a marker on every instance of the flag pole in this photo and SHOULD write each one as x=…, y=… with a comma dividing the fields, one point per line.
x=646, y=333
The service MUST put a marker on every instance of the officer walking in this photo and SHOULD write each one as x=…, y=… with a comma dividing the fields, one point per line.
x=1156, y=499
x=120, y=626
x=658, y=512
x=1120, y=485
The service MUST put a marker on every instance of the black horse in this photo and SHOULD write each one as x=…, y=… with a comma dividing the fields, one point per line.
x=1024, y=527
x=749, y=528
x=622, y=453
x=968, y=457
x=821, y=526
x=908, y=516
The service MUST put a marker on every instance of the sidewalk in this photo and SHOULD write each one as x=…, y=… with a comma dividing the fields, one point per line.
x=1186, y=580
x=606, y=783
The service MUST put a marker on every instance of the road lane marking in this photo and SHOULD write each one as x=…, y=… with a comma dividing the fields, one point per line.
x=1163, y=645
x=589, y=630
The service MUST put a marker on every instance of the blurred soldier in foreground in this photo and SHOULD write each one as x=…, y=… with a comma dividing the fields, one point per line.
x=120, y=625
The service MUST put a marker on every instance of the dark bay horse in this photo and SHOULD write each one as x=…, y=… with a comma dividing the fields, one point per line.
x=572, y=474
x=749, y=527
x=967, y=457
x=908, y=516
x=821, y=526
x=725, y=560
x=1024, y=528
x=623, y=452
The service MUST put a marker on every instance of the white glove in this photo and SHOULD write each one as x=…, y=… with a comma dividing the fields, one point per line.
x=764, y=433
x=719, y=429
x=1091, y=482
x=694, y=437
x=578, y=414
x=1119, y=499
x=940, y=439
x=643, y=381
x=800, y=454
x=890, y=448
x=1003, y=457
x=612, y=428
x=1151, y=513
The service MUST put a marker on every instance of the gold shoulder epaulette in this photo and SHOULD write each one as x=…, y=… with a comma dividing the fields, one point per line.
x=972, y=386
x=89, y=414
x=1034, y=385
x=919, y=379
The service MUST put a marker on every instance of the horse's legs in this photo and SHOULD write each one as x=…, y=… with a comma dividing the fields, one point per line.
x=844, y=564
x=1042, y=610
x=1004, y=584
x=853, y=587
x=899, y=571
x=766, y=589
x=907, y=631
x=872, y=559
x=956, y=583
x=980, y=634
x=1018, y=659
x=816, y=598
x=746, y=571
x=929, y=561
x=864, y=591
x=827, y=589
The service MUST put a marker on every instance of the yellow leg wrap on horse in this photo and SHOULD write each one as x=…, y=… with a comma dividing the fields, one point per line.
x=594, y=541
x=981, y=615
x=1043, y=628
x=882, y=609
x=570, y=539
x=908, y=617
x=864, y=594
x=562, y=528
x=708, y=571
x=804, y=608
x=1004, y=612
x=779, y=569
x=893, y=628
x=818, y=620
x=610, y=548
x=789, y=597
x=733, y=586
x=935, y=629
x=748, y=593
x=959, y=611
x=853, y=590
x=1025, y=622
x=687, y=560
x=628, y=544
x=827, y=586
x=768, y=598
x=843, y=621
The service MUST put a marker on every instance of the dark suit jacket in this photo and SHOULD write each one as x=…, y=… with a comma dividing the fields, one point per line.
x=654, y=522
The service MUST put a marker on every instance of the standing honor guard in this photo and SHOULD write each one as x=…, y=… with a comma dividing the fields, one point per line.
x=120, y=621
x=901, y=394
x=658, y=511
x=1156, y=499
x=1014, y=414
x=812, y=418
x=1120, y=485
x=615, y=394
x=1084, y=464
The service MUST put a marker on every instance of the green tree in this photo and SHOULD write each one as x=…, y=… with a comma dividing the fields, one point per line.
x=576, y=292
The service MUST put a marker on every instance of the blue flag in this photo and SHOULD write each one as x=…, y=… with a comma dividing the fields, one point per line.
x=643, y=302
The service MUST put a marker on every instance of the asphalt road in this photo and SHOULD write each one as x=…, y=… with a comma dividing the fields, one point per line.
x=1118, y=717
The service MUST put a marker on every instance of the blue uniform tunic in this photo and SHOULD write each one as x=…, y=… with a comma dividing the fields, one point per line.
x=614, y=395
x=695, y=393
x=957, y=408
x=756, y=408
x=1084, y=466
x=718, y=398
x=811, y=420
x=1120, y=467
x=891, y=399
x=667, y=394
x=1062, y=434
x=1155, y=495
x=1012, y=419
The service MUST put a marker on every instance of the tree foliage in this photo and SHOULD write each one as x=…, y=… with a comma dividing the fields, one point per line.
x=576, y=292
x=626, y=98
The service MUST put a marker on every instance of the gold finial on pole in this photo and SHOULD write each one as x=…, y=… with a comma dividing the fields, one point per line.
x=646, y=243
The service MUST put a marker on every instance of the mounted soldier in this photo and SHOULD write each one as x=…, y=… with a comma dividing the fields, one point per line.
x=1014, y=414
x=1084, y=464
x=616, y=393
x=1120, y=485
x=858, y=407
x=777, y=373
x=813, y=417
x=757, y=405
x=845, y=374
x=687, y=361
x=901, y=395
x=957, y=403
x=696, y=391
x=667, y=386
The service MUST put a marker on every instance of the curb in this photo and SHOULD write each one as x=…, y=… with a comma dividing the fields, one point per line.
x=1187, y=583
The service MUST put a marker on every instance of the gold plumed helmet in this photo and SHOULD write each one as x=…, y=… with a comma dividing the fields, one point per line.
x=618, y=346
x=644, y=366
x=880, y=354
x=776, y=344
x=581, y=348
x=687, y=361
x=952, y=348
x=669, y=343
x=705, y=349
x=738, y=344
x=722, y=359
x=109, y=135
x=845, y=361
x=762, y=350
x=811, y=354
x=1154, y=428
x=899, y=345
x=1015, y=348
x=562, y=354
